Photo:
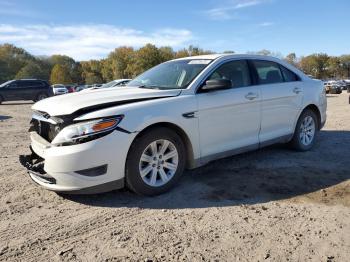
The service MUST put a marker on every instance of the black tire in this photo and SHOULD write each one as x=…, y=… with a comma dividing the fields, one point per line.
x=296, y=141
x=133, y=177
x=1, y=100
x=41, y=96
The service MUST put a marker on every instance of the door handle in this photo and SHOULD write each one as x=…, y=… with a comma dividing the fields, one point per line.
x=297, y=90
x=251, y=96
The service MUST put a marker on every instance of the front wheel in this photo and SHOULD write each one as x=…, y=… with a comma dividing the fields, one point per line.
x=155, y=162
x=306, y=131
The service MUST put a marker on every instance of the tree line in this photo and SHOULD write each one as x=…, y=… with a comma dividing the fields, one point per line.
x=128, y=62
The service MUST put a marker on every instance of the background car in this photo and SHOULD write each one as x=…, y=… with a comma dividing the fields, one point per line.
x=113, y=83
x=347, y=82
x=59, y=89
x=70, y=88
x=25, y=89
x=332, y=87
x=342, y=84
x=79, y=88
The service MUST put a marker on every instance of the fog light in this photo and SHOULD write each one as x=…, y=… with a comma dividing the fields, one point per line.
x=94, y=171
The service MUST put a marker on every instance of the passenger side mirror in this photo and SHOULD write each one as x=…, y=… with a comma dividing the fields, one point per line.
x=216, y=84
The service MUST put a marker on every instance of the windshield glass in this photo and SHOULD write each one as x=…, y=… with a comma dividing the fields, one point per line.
x=6, y=83
x=109, y=84
x=171, y=75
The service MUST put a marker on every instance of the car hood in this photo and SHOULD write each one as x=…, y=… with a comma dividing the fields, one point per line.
x=99, y=98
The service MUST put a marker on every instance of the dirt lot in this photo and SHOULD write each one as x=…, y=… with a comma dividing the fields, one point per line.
x=269, y=205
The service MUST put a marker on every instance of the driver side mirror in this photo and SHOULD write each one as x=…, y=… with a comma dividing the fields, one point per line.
x=216, y=84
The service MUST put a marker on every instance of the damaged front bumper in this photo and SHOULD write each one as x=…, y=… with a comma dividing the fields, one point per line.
x=92, y=167
x=35, y=167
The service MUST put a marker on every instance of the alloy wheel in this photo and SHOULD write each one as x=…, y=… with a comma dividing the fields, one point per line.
x=158, y=163
x=41, y=97
x=307, y=131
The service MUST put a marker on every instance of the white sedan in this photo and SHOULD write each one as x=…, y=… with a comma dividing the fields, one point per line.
x=59, y=89
x=179, y=114
x=113, y=83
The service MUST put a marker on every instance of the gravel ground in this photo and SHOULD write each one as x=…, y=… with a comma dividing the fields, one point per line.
x=270, y=205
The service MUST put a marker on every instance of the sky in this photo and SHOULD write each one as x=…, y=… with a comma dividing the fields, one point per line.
x=86, y=29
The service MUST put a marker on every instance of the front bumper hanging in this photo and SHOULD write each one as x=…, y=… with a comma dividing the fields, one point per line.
x=35, y=167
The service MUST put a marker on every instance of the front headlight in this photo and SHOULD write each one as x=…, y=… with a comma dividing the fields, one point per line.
x=86, y=131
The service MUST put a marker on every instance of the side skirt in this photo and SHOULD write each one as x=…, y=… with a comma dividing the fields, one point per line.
x=205, y=160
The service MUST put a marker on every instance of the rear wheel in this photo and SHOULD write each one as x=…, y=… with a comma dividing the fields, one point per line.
x=155, y=162
x=41, y=96
x=306, y=131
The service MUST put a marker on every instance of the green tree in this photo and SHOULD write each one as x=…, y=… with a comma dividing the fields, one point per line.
x=182, y=53
x=32, y=70
x=166, y=53
x=345, y=66
x=194, y=50
x=120, y=62
x=145, y=58
x=316, y=65
x=107, y=70
x=73, y=67
x=12, y=59
x=292, y=59
x=60, y=75
x=91, y=72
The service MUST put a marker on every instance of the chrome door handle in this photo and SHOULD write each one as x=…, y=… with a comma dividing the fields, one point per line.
x=297, y=90
x=251, y=96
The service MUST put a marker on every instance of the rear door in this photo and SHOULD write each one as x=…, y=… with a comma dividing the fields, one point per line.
x=27, y=89
x=281, y=99
x=34, y=88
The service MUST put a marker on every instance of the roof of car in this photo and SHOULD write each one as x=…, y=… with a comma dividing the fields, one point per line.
x=216, y=56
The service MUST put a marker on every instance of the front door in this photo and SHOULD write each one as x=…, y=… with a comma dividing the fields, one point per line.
x=229, y=119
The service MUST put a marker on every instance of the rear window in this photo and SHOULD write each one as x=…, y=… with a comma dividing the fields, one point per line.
x=268, y=72
x=288, y=75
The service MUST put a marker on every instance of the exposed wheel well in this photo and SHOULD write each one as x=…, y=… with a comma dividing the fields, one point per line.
x=190, y=162
x=315, y=109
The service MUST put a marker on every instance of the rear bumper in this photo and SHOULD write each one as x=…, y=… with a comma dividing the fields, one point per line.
x=68, y=168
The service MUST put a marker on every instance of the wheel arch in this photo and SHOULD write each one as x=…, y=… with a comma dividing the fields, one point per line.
x=190, y=161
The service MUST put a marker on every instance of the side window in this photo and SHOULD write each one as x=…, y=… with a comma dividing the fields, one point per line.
x=288, y=75
x=26, y=84
x=13, y=85
x=32, y=84
x=268, y=72
x=236, y=71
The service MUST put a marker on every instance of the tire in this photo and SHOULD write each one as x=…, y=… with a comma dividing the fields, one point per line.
x=41, y=96
x=306, y=131
x=156, y=178
x=1, y=100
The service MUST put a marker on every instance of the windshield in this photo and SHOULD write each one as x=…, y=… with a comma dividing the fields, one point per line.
x=109, y=84
x=176, y=74
x=6, y=83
